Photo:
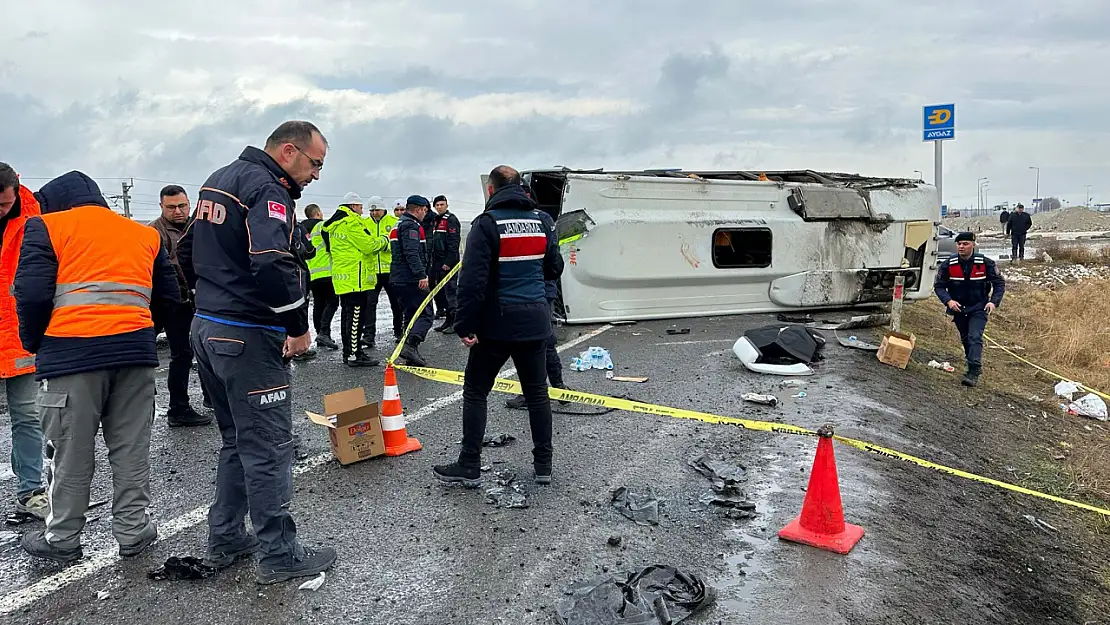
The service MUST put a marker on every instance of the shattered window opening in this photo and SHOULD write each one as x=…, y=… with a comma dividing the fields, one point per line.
x=742, y=248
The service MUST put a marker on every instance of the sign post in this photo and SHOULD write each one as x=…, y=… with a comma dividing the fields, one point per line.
x=939, y=126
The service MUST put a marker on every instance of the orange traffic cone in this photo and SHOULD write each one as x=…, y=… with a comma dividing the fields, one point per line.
x=821, y=523
x=397, y=440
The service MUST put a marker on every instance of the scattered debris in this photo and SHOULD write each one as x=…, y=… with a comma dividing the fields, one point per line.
x=614, y=541
x=722, y=474
x=1038, y=523
x=656, y=595
x=737, y=504
x=622, y=323
x=779, y=350
x=627, y=378
x=1066, y=389
x=19, y=518
x=592, y=358
x=800, y=395
x=507, y=493
x=177, y=569
x=756, y=398
x=787, y=318
x=942, y=365
x=639, y=506
x=854, y=343
x=497, y=440
x=1090, y=405
x=672, y=331
x=102, y=595
x=313, y=584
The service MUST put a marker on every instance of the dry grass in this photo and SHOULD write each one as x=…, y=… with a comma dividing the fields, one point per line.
x=1063, y=251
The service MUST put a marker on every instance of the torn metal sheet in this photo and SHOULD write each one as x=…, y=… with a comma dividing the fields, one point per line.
x=655, y=595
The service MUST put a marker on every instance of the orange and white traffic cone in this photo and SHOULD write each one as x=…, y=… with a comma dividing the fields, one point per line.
x=397, y=439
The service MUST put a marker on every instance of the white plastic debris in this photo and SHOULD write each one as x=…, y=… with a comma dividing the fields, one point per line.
x=592, y=358
x=749, y=355
x=1090, y=405
x=756, y=398
x=313, y=584
x=102, y=595
x=1066, y=389
x=946, y=366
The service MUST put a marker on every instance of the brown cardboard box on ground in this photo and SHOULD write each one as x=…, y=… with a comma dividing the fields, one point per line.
x=896, y=349
x=354, y=426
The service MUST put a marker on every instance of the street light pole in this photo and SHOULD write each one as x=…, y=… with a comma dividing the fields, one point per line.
x=1088, y=204
x=979, y=196
x=1038, y=195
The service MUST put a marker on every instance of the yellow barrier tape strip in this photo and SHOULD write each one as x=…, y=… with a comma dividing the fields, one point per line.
x=590, y=399
x=1043, y=370
x=427, y=300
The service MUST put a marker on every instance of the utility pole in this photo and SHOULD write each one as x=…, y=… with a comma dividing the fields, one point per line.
x=1037, y=197
x=982, y=204
x=1088, y=196
x=127, y=197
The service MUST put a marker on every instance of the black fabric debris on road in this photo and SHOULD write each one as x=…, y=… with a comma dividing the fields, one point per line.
x=720, y=473
x=640, y=506
x=177, y=569
x=497, y=440
x=725, y=479
x=656, y=595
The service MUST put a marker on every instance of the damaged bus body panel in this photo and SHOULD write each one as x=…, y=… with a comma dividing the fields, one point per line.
x=672, y=244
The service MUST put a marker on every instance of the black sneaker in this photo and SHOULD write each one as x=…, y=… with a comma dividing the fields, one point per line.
x=35, y=544
x=470, y=477
x=361, y=360
x=971, y=379
x=308, y=355
x=447, y=326
x=311, y=563
x=326, y=342
x=412, y=357
x=230, y=554
x=543, y=474
x=150, y=534
x=187, y=418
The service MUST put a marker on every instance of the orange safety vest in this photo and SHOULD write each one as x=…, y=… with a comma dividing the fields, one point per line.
x=14, y=360
x=105, y=272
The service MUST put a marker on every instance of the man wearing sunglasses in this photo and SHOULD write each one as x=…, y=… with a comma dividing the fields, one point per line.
x=251, y=320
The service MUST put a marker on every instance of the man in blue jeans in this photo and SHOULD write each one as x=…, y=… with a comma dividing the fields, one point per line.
x=17, y=367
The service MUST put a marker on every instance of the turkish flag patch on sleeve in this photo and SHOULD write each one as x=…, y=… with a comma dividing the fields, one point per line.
x=277, y=210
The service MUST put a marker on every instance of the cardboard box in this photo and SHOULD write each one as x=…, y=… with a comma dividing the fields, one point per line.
x=896, y=349
x=355, y=426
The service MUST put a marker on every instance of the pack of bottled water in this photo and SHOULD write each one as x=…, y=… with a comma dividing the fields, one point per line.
x=592, y=358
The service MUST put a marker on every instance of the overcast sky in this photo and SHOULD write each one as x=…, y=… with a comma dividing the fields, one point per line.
x=425, y=96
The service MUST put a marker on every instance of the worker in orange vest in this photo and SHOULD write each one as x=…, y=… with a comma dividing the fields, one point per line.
x=17, y=367
x=84, y=289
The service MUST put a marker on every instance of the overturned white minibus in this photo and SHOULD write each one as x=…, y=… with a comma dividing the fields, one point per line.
x=662, y=244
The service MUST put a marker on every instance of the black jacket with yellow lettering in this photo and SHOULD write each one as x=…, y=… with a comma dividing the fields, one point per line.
x=239, y=251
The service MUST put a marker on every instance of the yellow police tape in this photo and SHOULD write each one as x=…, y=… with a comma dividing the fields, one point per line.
x=617, y=403
x=1043, y=370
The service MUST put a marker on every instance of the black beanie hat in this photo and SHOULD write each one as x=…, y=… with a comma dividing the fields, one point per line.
x=965, y=236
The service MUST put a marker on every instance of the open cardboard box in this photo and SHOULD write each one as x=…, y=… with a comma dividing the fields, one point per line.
x=896, y=349
x=354, y=426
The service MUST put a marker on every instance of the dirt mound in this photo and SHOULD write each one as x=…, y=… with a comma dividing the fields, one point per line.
x=1066, y=220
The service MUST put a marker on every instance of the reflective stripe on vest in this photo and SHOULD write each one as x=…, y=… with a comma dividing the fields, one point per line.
x=956, y=270
x=101, y=293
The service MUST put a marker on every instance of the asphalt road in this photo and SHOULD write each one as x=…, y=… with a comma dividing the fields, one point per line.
x=412, y=550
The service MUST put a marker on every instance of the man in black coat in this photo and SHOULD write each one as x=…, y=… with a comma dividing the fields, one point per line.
x=1017, y=227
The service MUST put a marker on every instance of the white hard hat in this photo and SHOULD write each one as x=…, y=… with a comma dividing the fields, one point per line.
x=351, y=198
x=375, y=202
x=399, y=204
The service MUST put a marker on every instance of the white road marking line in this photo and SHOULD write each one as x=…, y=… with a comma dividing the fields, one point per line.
x=104, y=558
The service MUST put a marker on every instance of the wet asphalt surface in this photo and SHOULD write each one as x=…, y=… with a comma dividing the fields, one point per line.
x=413, y=550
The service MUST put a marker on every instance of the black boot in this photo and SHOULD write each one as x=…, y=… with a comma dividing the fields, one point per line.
x=411, y=355
x=471, y=477
x=448, y=324
x=326, y=342
x=972, y=377
x=186, y=417
x=362, y=360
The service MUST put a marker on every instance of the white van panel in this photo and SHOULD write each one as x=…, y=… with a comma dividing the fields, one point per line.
x=649, y=248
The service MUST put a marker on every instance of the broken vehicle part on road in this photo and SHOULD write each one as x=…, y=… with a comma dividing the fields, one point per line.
x=656, y=595
x=182, y=568
x=836, y=241
x=779, y=351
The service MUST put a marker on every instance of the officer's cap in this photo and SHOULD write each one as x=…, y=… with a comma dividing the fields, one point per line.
x=965, y=236
x=418, y=200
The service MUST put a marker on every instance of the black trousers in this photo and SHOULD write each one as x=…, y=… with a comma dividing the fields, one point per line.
x=176, y=324
x=1018, y=244
x=324, y=305
x=350, y=320
x=447, y=298
x=412, y=296
x=485, y=359
x=370, y=327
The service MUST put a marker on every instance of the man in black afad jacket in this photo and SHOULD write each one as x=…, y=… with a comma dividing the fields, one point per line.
x=241, y=255
x=503, y=313
x=970, y=287
x=446, y=237
x=1017, y=227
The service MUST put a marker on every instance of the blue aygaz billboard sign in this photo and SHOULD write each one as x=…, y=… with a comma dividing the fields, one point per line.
x=939, y=122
